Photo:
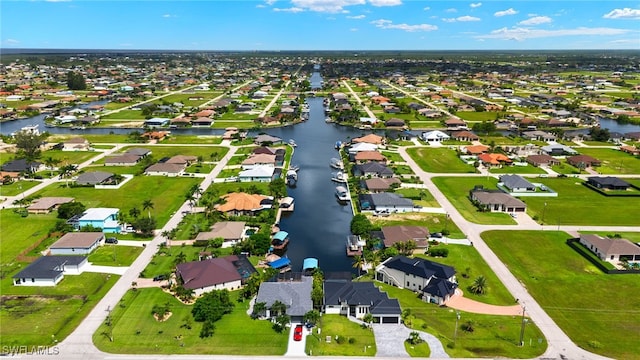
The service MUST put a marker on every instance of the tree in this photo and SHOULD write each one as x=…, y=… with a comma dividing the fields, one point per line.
x=278, y=188
x=259, y=308
x=479, y=285
x=598, y=134
x=183, y=293
x=368, y=318
x=208, y=328
x=75, y=81
x=212, y=306
x=360, y=225
x=145, y=225
x=278, y=308
x=311, y=316
x=414, y=338
x=28, y=144
x=134, y=212
x=358, y=263
x=147, y=205
x=180, y=258
x=51, y=163
x=66, y=172
x=68, y=210
x=281, y=323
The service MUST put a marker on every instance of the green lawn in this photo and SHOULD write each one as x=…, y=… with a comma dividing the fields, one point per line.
x=477, y=116
x=613, y=161
x=363, y=343
x=193, y=139
x=163, y=262
x=18, y=233
x=420, y=197
x=17, y=187
x=493, y=336
x=207, y=152
x=517, y=170
x=127, y=114
x=166, y=193
x=469, y=265
x=576, y=204
x=24, y=308
x=69, y=157
x=136, y=331
x=580, y=300
x=434, y=222
x=439, y=160
x=456, y=189
x=115, y=255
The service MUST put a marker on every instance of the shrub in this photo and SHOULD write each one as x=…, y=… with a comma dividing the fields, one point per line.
x=468, y=326
x=340, y=339
x=439, y=251
x=352, y=340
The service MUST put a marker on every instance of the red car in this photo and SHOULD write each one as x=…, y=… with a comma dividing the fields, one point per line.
x=297, y=333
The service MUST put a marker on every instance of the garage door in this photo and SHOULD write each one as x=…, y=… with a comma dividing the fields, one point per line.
x=390, y=320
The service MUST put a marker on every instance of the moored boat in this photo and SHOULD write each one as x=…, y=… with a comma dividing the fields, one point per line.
x=292, y=143
x=280, y=240
x=336, y=164
x=292, y=177
x=355, y=245
x=339, y=177
x=342, y=193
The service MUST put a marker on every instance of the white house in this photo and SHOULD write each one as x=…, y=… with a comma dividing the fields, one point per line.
x=50, y=270
x=260, y=173
x=435, y=136
x=77, y=243
x=363, y=146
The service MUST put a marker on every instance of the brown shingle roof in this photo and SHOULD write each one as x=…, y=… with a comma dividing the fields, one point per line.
x=400, y=233
x=78, y=240
x=201, y=274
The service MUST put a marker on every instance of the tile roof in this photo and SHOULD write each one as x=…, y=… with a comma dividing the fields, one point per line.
x=241, y=202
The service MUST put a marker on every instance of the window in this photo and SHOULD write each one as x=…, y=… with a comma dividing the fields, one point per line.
x=33, y=280
x=407, y=284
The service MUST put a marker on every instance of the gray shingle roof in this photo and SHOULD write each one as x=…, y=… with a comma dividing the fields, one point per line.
x=516, y=181
x=360, y=293
x=296, y=295
x=48, y=267
x=420, y=267
x=389, y=199
x=93, y=178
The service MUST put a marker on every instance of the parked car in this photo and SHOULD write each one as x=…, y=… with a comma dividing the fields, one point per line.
x=436, y=235
x=160, y=277
x=111, y=240
x=381, y=213
x=297, y=333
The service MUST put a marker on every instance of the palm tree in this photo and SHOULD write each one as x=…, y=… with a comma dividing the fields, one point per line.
x=134, y=213
x=51, y=163
x=66, y=172
x=479, y=285
x=259, y=308
x=147, y=205
x=358, y=263
x=180, y=258
x=279, y=308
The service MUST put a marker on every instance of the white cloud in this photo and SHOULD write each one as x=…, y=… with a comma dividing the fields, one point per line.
x=451, y=10
x=330, y=6
x=11, y=42
x=291, y=9
x=465, y=18
x=166, y=16
x=270, y=2
x=388, y=24
x=380, y=3
x=536, y=20
x=353, y=29
x=626, y=13
x=521, y=34
x=475, y=5
x=261, y=6
x=356, y=17
x=509, y=11
x=426, y=8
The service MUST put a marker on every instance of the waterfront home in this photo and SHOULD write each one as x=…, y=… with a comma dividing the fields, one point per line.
x=50, y=270
x=455, y=123
x=295, y=293
x=435, y=282
x=372, y=169
x=464, y=135
x=231, y=232
x=203, y=276
x=46, y=205
x=375, y=185
x=259, y=173
x=240, y=203
x=370, y=156
x=357, y=299
x=402, y=233
x=369, y=139
x=434, y=136
x=256, y=160
x=157, y=122
x=385, y=202
x=77, y=243
x=76, y=144
x=266, y=139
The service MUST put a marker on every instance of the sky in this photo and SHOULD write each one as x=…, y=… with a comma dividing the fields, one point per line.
x=353, y=25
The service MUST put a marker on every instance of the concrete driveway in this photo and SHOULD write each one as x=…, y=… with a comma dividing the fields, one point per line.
x=390, y=341
x=296, y=348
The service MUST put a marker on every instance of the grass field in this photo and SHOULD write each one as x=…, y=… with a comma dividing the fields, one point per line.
x=580, y=300
x=124, y=114
x=193, y=139
x=613, y=161
x=576, y=204
x=439, y=160
x=136, y=331
x=17, y=187
x=493, y=336
x=207, y=152
x=420, y=197
x=456, y=189
x=364, y=343
x=38, y=316
x=18, y=233
x=517, y=170
x=167, y=194
x=434, y=222
x=115, y=255
x=477, y=116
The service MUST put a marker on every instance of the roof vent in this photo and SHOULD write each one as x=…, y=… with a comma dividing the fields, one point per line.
x=416, y=263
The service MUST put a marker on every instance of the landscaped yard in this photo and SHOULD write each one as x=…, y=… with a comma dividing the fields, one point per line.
x=575, y=298
x=456, y=189
x=434, y=222
x=420, y=197
x=115, y=255
x=135, y=330
x=517, y=170
x=576, y=204
x=166, y=193
x=17, y=187
x=439, y=160
x=363, y=343
x=613, y=161
x=207, y=152
x=193, y=139
x=18, y=233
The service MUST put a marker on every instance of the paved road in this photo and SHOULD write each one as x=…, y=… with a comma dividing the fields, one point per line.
x=364, y=107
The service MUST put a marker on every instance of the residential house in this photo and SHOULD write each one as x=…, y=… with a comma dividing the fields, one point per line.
x=231, y=232
x=516, y=184
x=538, y=135
x=630, y=150
x=184, y=160
x=369, y=139
x=464, y=135
x=611, y=250
x=493, y=160
x=100, y=218
x=263, y=139
x=496, y=201
x=158, y=122
x=542, y=160
x=202, y=122
x=122, y=160
x=455, y=123
x=227, y=272
x=475, y=149
x=45, y=205
x=22, y=166
x=372, y=169
x=435, y=136
x=394, y=122
x=435, y=282
x=295, y=294
x=556, y=149
x=259, y=173
x=402, y=233
x=583, y=161
x=77, y=243
x=141, y=152
x=240, y=203
x=390, y=202
x=257, y=160
x=363, y=146
x=357, y=299
x=50, y=270
x=94, y=178
x=376, y=185
x=370, y=156
x=608, y=183
x=165, y=169
x=76, y=144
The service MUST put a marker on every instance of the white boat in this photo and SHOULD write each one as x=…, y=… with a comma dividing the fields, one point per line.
x=291, y=178
x=339, y=177
x=32, y=130
x=337, y=164
x=328, y=119
x=294, y=167
x=292, y=143
x=342, y=193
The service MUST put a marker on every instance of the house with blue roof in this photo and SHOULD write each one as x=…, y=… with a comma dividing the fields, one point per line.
x=434, y=281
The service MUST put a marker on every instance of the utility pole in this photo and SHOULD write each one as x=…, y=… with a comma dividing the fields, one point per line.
x=544, y=209
x=455, y=331
x=524, y=321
